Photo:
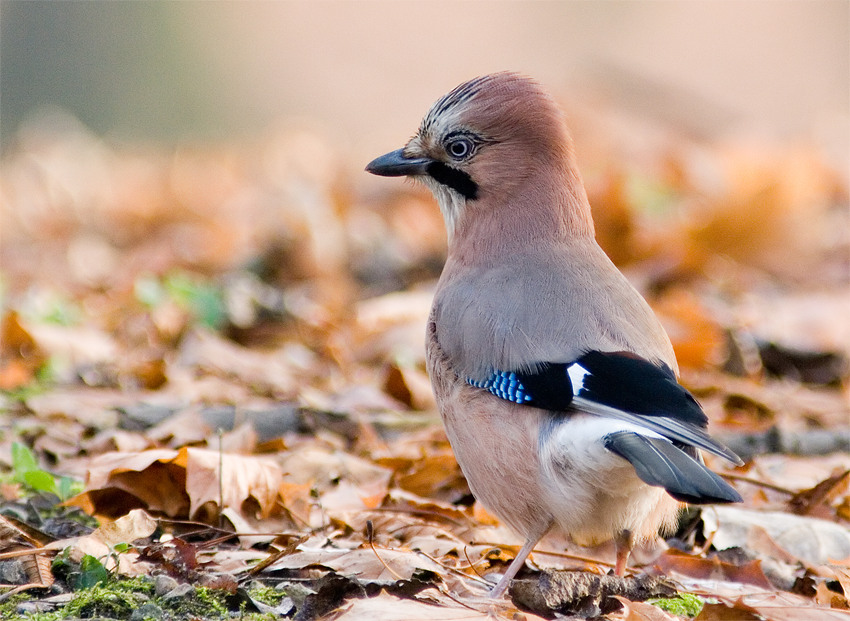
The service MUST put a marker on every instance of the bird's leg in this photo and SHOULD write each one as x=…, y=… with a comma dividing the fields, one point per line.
x=513, y=568
x=623, y=543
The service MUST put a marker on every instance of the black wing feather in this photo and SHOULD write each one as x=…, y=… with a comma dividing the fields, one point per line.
x=616, y=385
x=628, y=382
x=658, y=463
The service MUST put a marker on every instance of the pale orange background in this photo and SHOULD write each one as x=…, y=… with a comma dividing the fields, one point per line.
x=364, y=72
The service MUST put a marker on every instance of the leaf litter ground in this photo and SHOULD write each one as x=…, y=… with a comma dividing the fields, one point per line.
x=214, y=399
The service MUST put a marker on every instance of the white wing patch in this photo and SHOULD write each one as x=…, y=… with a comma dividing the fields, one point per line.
x=577, y=375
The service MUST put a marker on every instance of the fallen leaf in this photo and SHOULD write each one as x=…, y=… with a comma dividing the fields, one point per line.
x=811, y=540
x=641, y=611
x=806, y=501
x=240, y=478
x=712, y=569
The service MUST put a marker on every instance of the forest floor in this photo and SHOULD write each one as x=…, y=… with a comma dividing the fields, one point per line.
x=214, y=401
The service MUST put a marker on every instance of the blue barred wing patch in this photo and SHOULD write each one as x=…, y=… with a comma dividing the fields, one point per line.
x=505, y=385
x=552, y=387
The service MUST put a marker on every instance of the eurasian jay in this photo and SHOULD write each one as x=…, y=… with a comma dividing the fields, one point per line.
x=556, y=383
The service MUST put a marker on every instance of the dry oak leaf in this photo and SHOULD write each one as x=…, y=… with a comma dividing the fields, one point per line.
x=242, y=477
x=179, y=483
x=118, y=482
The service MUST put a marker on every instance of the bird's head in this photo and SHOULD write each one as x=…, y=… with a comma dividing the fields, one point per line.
x=497, y=142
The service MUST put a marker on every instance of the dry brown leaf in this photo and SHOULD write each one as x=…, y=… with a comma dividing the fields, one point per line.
x=14, y=541
x=262, y=372
x=698, y=339
x=77, y=345
x=324, y=467
x=712, y=569
x=410, y=386
x=831, y=599
x=179, y=483
x=390, y=327
x=811, y=540
x=405, y=502
x=386, y=607
x=185, y=427
x=119, y=482
x=241, y=478
x=137, y=524
x=38, y=570
x=807, y=501
x=20, y=355
x=752, y=602
x=95, y=409
x=641, y=611
x=241, y=439
x=379, y=565
x=100, y=543
x=14, y=535
x=778, y=606
x=723, y=612
x=112, y=440
x=614, y=216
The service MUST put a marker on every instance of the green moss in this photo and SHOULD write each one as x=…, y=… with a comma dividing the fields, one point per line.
x=57, y=615
x=139, y=584
x=116, y=599
x=8, y=608
x=203, y=602
x=119, y=599
x=266, y=594
x=683, y=605
x=104, y=601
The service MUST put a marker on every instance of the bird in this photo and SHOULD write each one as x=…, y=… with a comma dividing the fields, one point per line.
x=556, y=383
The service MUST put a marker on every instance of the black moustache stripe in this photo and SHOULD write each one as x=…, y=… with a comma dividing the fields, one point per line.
x=453, y=178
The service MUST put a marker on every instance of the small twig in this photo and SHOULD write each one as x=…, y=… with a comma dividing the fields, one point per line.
x=471, y=564
x=214, y=542
x=455, y=570
x=421, y=513
x=369, y=533
x=442, y=589
x=20, y=589
x=764, y=484
x=290, y=548
x=27, y=552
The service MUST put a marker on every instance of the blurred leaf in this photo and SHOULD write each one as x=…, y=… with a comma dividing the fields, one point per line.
x=203, y=300
x=68, y=487
x=149, y=291
x=23, y=461
x=41, y=481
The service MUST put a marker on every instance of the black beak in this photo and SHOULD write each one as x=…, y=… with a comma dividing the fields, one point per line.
x=395, y=164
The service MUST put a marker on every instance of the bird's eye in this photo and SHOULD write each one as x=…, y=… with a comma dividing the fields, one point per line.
x=460, y=148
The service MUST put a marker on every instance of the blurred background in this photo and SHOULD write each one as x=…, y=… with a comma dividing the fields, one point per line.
x=366, y=71
x=169, y=163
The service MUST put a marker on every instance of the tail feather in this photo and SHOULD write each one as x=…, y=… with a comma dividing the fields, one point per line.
x=659, y=463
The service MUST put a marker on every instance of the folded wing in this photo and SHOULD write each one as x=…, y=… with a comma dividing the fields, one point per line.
x=625, y=387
